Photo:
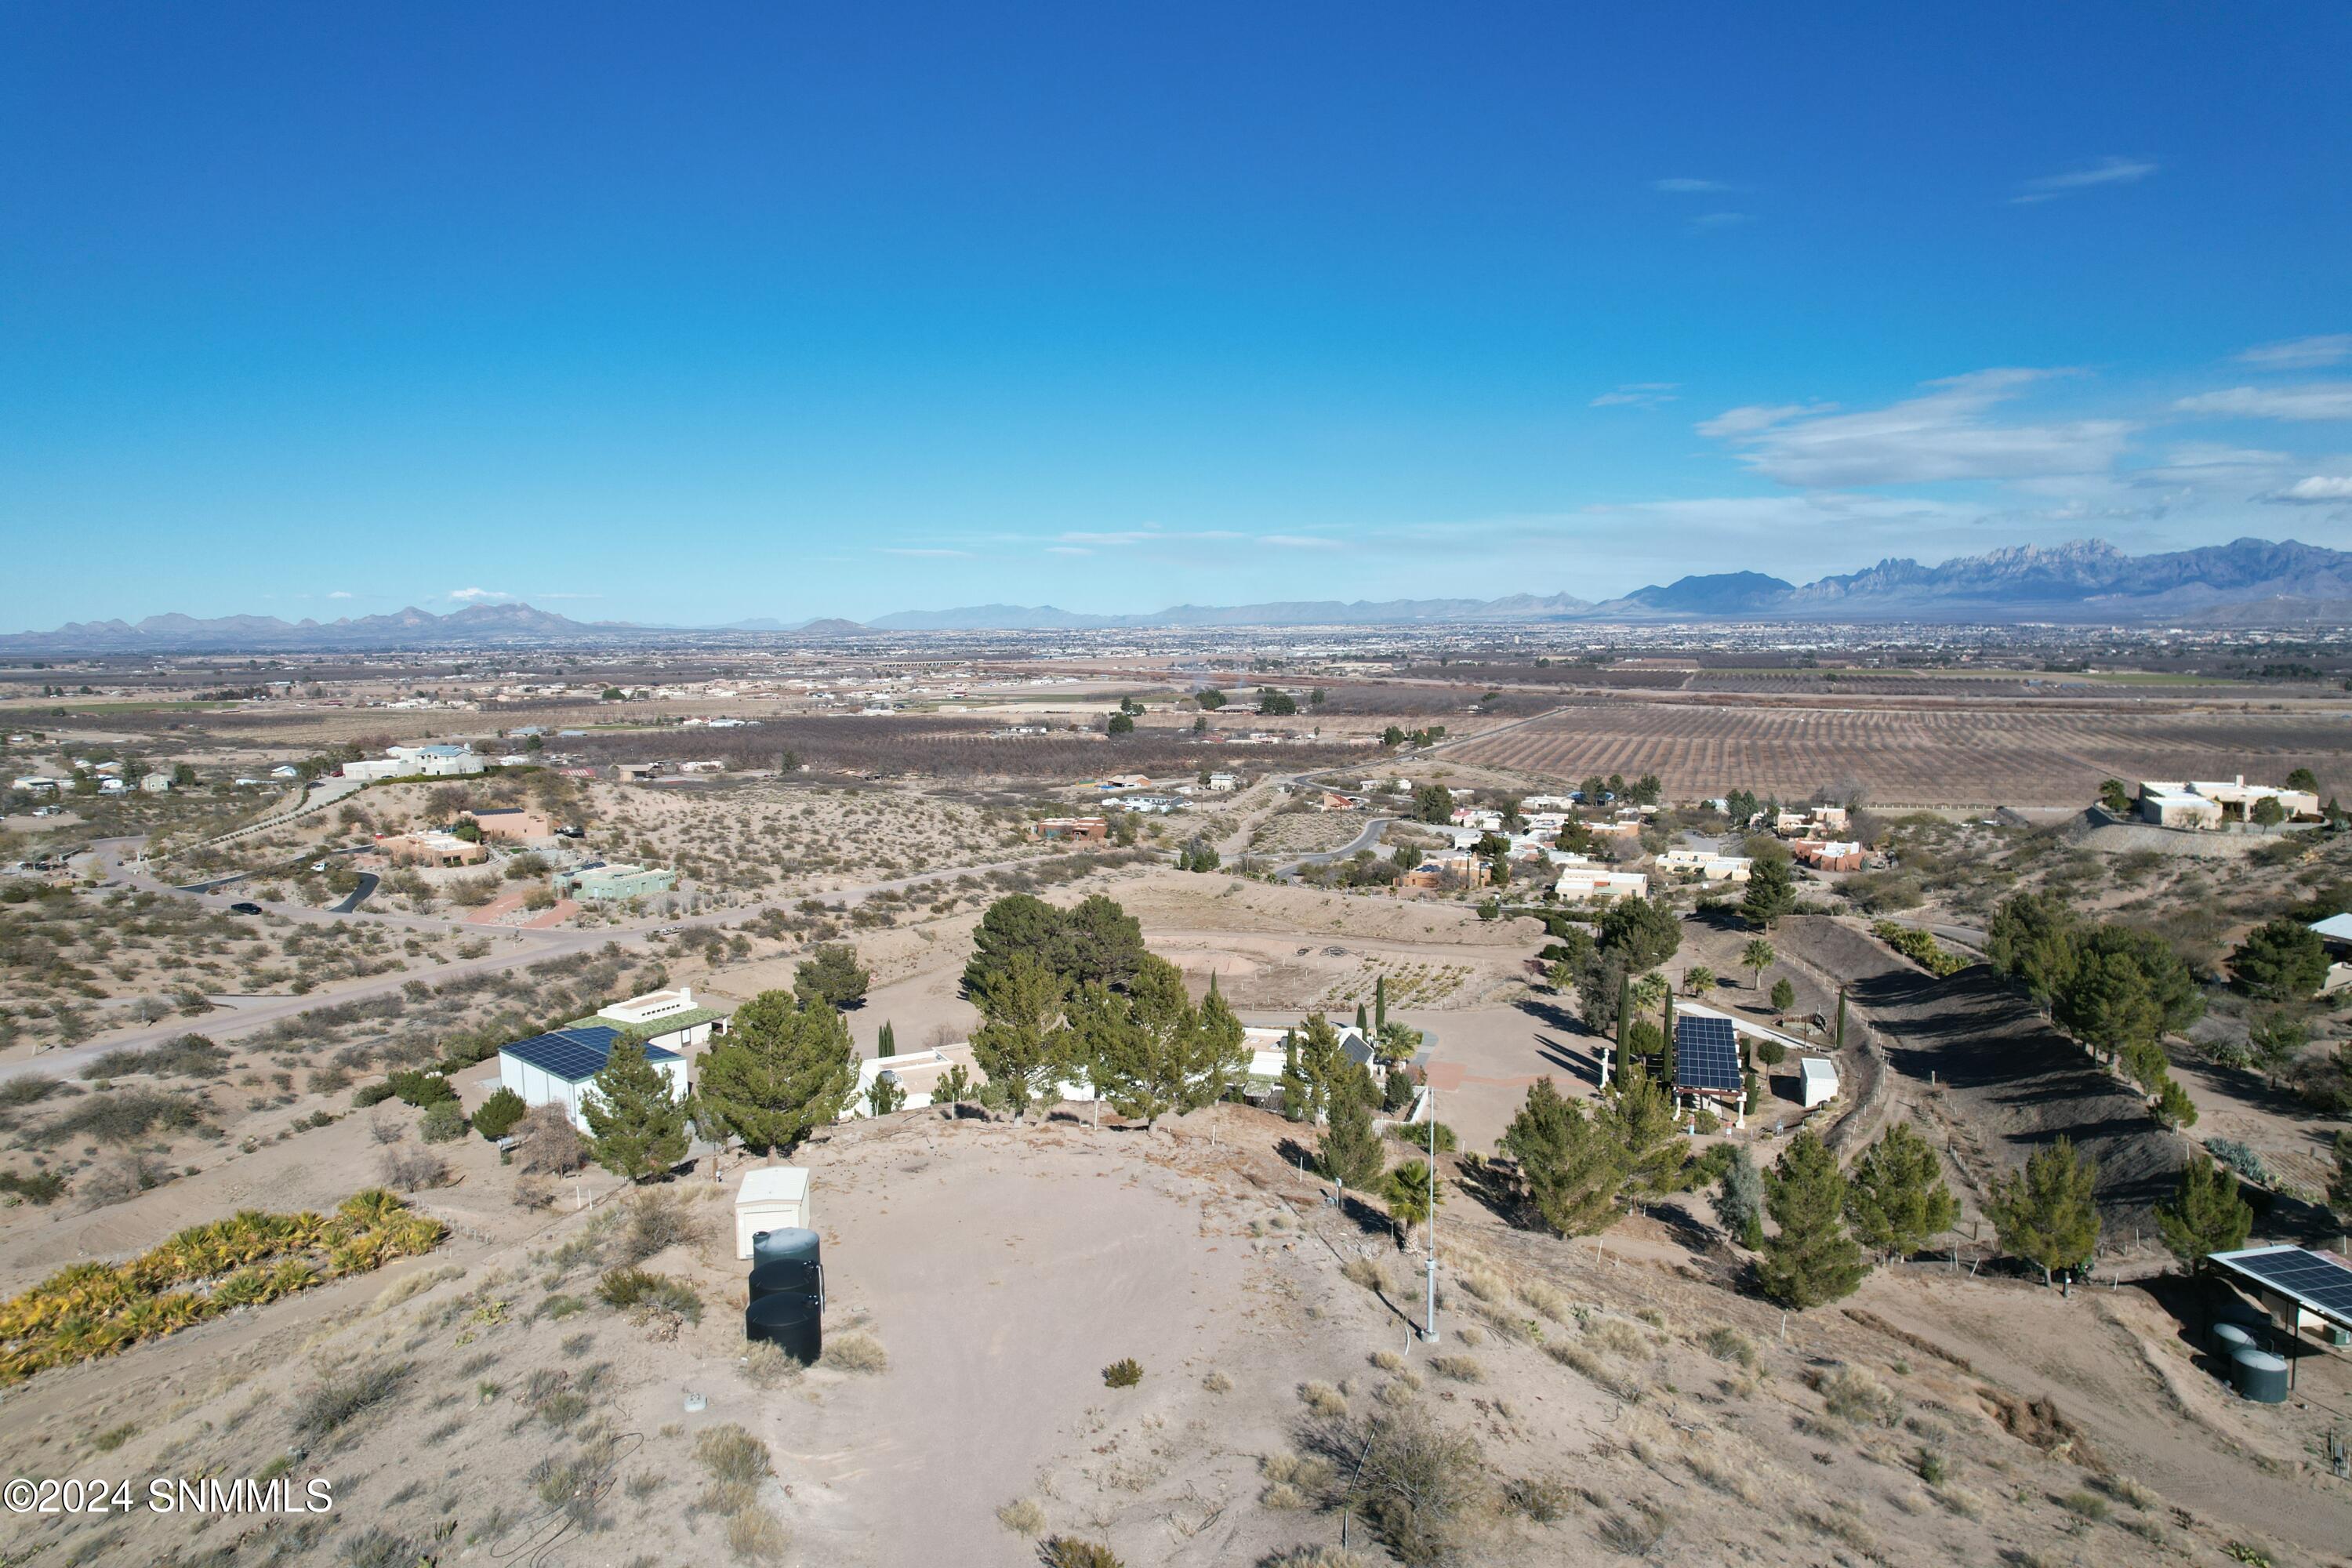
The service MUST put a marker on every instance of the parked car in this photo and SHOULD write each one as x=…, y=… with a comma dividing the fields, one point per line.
x=244, y=907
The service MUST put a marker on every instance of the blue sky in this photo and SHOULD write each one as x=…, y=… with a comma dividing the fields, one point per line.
x=688, y=314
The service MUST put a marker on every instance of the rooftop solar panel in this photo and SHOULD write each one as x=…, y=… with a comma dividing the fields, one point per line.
x=1706, y=1054
x=2312, y=1278
x=576, y=1055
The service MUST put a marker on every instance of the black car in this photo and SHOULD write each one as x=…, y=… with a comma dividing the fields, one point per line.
x=247, y=908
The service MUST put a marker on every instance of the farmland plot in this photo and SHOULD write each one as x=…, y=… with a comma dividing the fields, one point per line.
x=1925, y=756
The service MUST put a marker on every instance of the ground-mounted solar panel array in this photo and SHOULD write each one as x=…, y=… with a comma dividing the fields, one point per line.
x=1706, y=1054
x=2312, y=1278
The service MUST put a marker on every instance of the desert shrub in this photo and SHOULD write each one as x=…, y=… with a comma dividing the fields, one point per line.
x=1550, y=1302
x=653, y=1222
x=855, y=1351
x=113, y=1437
x=39, y=1188
x=1124, y=1373
x=1417, y=1479
x=2240, y=1158
x=729, y=1453
x=499, y=1114
x=1217, y=1382
x=414, y=1087
x=2084, y=1505
x=442, y=1123
x=1729, y=1344
x=30, y=1090
x=1069, y=1552
x=190, y=1055
x=1460, y=1368
x=123, y=1177
x=1637, y=1530
x=1545, y=1499
x=633, y=1289
x=1365, y=1272
x=369, y=1094
x=549, y=1145
x=1850, y=1393
x=1323, y=1399
x=374, y=1547
x=124, y=1116
x=1021, y=1516
x=755, y=1535
x=407, y=1169
x=766, y=1366
x=1316, y=1557
x=334, y=1401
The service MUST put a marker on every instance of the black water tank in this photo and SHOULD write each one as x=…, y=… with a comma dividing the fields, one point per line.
x=786, y=1263
x=795, y=1323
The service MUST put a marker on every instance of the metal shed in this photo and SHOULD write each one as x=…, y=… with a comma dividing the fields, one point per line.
x=771, y=1197
x=1817, y=1080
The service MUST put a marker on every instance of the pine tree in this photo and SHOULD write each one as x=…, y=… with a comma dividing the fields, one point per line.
x=1771, y=891
x=2173, y=1106
x=1023, y=1037
x=2045, y=1213
x=2339, y=1186
x=1220, y=1053
x=887, y=1043
x=1640, y=1115
x=1896, y=1199
x=1740, y=1198
x=884, y=1096
x=635, y=1124
x=1574, y=1167
x=1810, y=1259
x=1150, y=1052
x=783, y=1068
x=2205, y=1215
x=1322, y=1063
x=1784, y=996
x=951, y=1089
x=498, y=1113
x=1350, y=1151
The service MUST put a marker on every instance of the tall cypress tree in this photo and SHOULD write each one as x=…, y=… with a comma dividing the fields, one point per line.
x=1350, y=1151
x=887, y=1043
x=1810, y=1259
x=636, y=1124
x=1379, y=1000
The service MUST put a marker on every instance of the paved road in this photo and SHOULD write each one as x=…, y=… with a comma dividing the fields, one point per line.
x=368, y=883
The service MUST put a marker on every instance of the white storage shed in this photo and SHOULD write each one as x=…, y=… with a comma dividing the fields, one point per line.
x=1817, y=1079
x=771, y=1197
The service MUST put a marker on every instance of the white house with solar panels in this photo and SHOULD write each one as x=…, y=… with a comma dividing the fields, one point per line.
x=558, y=1068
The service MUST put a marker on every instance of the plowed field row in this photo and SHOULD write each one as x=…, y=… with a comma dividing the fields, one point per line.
x=1932, y=757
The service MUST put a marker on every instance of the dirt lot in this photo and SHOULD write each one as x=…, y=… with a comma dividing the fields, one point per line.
x=1632, y=1400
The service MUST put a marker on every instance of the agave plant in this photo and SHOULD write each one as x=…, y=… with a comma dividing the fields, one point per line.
x=372, y=1206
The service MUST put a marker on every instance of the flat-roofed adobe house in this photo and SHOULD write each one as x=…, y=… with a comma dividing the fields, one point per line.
x=671, y=1019
x=512, y=824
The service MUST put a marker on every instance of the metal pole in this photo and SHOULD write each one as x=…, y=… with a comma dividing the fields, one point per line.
x=1429, y=1103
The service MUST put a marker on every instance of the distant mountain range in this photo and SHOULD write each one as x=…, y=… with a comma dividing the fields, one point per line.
x=2248, y=582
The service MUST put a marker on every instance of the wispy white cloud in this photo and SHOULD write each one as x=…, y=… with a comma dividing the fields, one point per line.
x=2300, y=354
x=1685, y=186
x=1296, y=541
x=1943, y=434
x=922, y=554
x=2318, y=489
x=341, y=593
x=2108, y=171
x=477, y=595
x=1638, y=395
x=1758, y=416
x=2313, y=400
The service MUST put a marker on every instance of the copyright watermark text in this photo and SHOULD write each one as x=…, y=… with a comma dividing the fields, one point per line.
x=209, y=1496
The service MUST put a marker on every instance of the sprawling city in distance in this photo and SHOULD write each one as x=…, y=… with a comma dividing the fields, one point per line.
x=1229, y=787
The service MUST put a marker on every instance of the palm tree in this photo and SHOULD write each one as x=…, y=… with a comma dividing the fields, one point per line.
x=1756, y=958
x=1406, y=1190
